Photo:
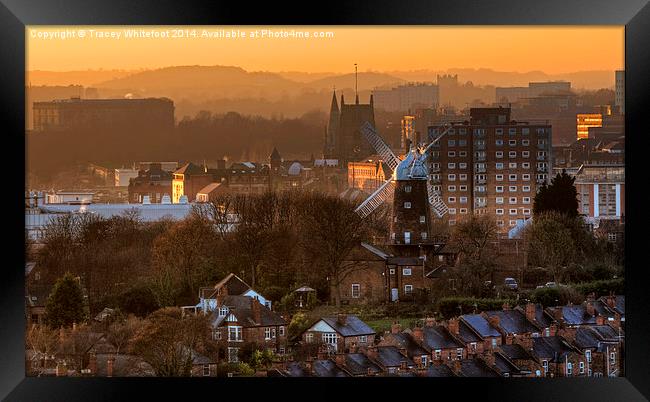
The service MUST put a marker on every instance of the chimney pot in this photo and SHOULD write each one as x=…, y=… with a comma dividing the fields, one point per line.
x=342, y=318
x=418, y=334
x=454, y=326
x=396, y=328
x=493, y=320
x=530, y=311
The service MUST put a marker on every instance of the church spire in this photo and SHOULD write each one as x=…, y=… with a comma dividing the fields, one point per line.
x=356, y=87
x=335, y=105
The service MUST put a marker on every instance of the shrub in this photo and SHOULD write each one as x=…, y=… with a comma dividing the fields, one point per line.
x=556, y=296
x=449, y=306
x=602, y=288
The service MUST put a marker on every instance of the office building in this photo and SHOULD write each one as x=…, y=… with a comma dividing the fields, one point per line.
x=619, y=99
x=405, y=98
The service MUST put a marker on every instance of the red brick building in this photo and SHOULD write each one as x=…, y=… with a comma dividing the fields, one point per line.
x=154, y=183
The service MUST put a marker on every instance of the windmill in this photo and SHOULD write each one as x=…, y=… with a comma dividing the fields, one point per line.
x=414, y=195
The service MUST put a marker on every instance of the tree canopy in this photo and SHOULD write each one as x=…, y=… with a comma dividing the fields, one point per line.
x=560, y=196
x=65, y=305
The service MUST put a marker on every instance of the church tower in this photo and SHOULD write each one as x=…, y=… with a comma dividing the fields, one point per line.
x=332, y=128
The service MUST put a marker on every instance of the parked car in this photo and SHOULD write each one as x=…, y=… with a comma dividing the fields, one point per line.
x=511, y=283
x=551, y=285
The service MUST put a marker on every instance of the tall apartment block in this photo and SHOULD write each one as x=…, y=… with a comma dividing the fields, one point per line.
x=491, y=165
x=620, y=90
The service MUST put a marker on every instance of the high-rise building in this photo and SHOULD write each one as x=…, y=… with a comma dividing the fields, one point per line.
x=548, y=88
x=491, y=165
x=601, y=190
x=98, y=114
x=405, y=98
x=619, y=99
x=407, y=136
x=344, y=140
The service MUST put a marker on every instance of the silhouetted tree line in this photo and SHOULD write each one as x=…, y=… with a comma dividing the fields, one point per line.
x=279, y=242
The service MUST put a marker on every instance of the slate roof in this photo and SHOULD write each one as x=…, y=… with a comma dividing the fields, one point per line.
x=240, y=307
x=190, y=169
x=234, y=284
x=594, y=336
x=513, y=321
x=353, y=326
x=551, y=347
x=320, y=368
x=438, y=337
x=466, y=333
x=479, y=324
x=515, y=351
x=358, y=364
x=124, y=366
x=504, y=365
x=439, y=370
x=619, y=304
x=390, y=356
x=476, y=368
x=209, y=188
x=405, y=340
x=577, y=315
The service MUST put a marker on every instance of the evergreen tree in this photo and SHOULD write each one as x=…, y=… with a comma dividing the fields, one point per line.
x=65, y=304
x=561, y=196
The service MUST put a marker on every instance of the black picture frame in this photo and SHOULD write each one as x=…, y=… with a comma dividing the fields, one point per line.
x=16, y=14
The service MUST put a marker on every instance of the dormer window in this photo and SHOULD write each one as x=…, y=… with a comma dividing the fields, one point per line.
x=223, y=311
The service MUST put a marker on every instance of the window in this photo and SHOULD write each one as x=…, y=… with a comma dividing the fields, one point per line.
x=525, y=177
x=512, y=143
x=612, y=357
x=512, y=200
x=407, y=237
x=499, y=189
x=234, y=334
x=233, y=355
x=494, y=342
x=462, y=131
x=512, y=177
x=463, y=177
x=463, y=188
x=423, y=235
x=363, y=339
x=499, y=200
x=512, y=188
x=309, y=337
x=452, y=199
x=459, y=353
x=525, y=165
x=472, y=346
x=451, y=165
x=581, y=366
x=281, y=331
x=423, y=219
x=329, y=338
x=525, y=142
x=406, y=271
x=463, y=200
x=547, y=332
x=525, y=189
x=452, y=211
x=424, y=360
x=499, y=165
x=356, y=290
x=451, y=177
x=463, y=211
x=499, y=177
x=391, y=271
x=545, y=366
x=498, y=131
x=569, y=368
x=452, y=222
x=281, y=350
x=512, y=211
x=462, y=143
x=462, y=165
x=499, y=211
x=525, y=131
x=267, y=332
x=499, y=223
x=498, y=143
x=451, y=154
x=216, y=334
x=451, y=143
x=223, y=311
x=525, y=154
x=512, y=165
x=438, y=354
x=451, y=188
x=526, y=212
x=462, y=153
x=408, y=289
x=512, y=154
x=407, y=189
x=407, y=205
x=499, y=154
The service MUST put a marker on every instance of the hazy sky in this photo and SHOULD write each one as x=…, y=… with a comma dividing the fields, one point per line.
x=550, y=49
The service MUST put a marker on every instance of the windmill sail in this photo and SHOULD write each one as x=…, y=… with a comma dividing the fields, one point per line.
x=380, y=146
x=438, y=205
x=376, y=199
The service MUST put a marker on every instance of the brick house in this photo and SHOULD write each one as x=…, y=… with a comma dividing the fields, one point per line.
x=601, y=346
x=390, y=359
x=513, y=323
x=486, y=331
x=441, y=344
x=154, y=183
x=557, y=356
x=363, y=280
x=241, y=319
x=341, y=333
x=522, y=359
x=408, y=346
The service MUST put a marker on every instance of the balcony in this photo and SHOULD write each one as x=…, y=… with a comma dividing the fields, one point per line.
x=479, y=190
x=479, y=169
x=541, y=169
x=480, y=181
x=541, y=158
x=434, y=180
x=541, y=181
x=435, y=169
x=479, y=147
x=542, y=146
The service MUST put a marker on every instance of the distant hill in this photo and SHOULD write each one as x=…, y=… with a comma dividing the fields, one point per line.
x=367, y=81
x=87, y=78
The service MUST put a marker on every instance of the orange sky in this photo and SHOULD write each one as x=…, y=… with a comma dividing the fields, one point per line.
x=551, y=49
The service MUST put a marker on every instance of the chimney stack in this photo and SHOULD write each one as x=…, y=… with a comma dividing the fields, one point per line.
x=568, y=333
x=558, y=314
x=552, y=329
x=456, y=366
x=221, y=295
x=488, y=358
x=256, y=310
x=418, y=334
x=530, y=311
x=322, y=353
x=339, y=358
x=600, y=320
x=526, y=342
x=109, y=366
x=61, y=369
x=494, y=321
x=342, y=318
x=453, y=325
x=590, y=308
x=429, y=322
x=509, y=339
x=611, y=301
x=371, y=352
x=309, y=366
x=395, y=328
x=505, y=306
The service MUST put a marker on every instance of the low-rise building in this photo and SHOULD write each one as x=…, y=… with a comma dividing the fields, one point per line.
x=340, y=333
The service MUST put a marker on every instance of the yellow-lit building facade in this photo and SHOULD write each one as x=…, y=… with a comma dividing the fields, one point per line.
x=366, y=176
x=408, y=131
x=586, y=120
x=177, y=187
